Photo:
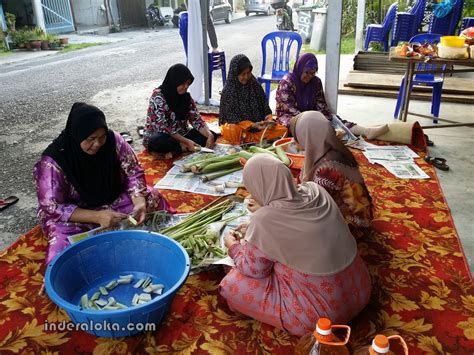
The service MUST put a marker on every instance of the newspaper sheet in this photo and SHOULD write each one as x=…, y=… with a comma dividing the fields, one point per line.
x=337, y=124
x=176, y=180
x=219, y=149
x=405, y=169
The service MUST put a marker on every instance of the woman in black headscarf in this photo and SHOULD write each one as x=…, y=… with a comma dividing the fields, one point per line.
x=244, y=112
x=170, y=112
x=89, y=177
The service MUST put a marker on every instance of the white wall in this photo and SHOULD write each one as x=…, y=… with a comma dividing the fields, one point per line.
x=89, y=12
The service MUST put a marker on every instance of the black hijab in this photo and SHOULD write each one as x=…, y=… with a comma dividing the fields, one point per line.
x=97, y=178
x=242, y=102
x=178, y=74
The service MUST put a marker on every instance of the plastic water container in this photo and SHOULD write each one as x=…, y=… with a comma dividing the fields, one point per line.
x=85, y=266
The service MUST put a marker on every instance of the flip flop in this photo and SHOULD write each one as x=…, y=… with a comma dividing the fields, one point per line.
x=429, y=142
x=11, y=200
x=439, y=163
x=127, y=136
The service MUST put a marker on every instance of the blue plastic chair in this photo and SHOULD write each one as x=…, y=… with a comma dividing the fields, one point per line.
x=183, y=30
x=447, y=25
x=215, y=60
x=427, y=79
x=466, y=23
x=282, y=43
x=419, y=11
x=379, y=33
x=403, y=28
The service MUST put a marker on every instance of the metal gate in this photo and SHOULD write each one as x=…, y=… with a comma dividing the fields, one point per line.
x=58, y=16
x=132, y=13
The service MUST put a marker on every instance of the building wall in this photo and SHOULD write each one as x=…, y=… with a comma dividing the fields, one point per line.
x=89, y=12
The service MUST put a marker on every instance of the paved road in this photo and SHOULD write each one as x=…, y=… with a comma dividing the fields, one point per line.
x=118, y=77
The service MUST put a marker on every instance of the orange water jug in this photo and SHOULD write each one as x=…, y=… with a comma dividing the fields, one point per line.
x=381, y=345
x=323, y=341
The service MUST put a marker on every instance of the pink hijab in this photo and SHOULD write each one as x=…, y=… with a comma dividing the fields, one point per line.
x=300, y=227
x=318, y=138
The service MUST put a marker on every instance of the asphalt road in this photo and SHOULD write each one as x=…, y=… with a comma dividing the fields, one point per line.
x=36, y=97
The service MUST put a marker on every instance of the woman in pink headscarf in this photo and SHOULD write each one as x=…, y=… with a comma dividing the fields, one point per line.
x=299, y=261
x=330, y=164
x=301, y=91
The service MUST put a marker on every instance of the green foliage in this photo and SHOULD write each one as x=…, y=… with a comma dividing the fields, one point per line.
x=11, y=20
x=75, y=47
x=21, y=36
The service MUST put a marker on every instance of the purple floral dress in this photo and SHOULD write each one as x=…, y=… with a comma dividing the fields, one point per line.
x=160, y=118
x=57, y=197
x=287, y=106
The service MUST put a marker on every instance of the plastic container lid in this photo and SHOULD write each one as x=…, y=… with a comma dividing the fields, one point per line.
x=324, y=326
x=380, y=344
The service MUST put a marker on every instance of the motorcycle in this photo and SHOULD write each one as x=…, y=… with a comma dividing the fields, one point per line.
x=154, y=16
x=284, y=15
x=175, y=19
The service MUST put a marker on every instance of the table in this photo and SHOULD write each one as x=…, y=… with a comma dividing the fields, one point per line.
x=410, y=72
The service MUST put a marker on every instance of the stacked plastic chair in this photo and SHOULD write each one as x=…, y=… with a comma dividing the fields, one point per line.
x=427, y=79
x=466, y=23
x=407, y=23
x=379, y=33
x=447, y=25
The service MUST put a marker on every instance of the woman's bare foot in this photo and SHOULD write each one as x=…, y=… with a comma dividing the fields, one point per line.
x=162, y=156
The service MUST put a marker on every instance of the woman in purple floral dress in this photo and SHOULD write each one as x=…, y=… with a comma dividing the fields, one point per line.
x=301, y=91
x=89, y=177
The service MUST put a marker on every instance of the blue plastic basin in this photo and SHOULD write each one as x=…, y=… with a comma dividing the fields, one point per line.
x=85, y=266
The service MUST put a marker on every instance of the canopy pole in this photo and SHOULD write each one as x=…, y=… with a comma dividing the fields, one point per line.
x=360, y=25
x=333, y=52
x=204, y=12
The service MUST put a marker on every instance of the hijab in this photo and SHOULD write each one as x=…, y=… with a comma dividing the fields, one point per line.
x=305, y=93
x=177, y=75
x=318, y=139
x=300, y=227
x=242, y=102
x=97, y=178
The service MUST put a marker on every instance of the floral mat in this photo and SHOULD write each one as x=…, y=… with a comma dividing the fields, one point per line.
x=422, y=288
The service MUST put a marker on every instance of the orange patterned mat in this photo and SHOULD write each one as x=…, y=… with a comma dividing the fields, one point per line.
x=422, y=287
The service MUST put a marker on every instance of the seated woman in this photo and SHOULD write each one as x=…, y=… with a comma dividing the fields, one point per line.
x=331, y=165
x=89, y=177
x=299, y=261
x=244, y=113
x=170, y=112
x=302, y=91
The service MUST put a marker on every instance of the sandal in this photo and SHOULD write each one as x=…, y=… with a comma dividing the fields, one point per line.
x=11, y=200
x=127, y=137
x=440, y=163
x=429, y=142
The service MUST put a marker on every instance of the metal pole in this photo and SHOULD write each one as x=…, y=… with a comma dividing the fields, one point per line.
x=333, y=51
x=204, y=12
x=39, y=15
x=360, y=25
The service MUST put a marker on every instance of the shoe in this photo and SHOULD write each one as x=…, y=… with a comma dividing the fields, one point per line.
x=127, y=137
x=429, y=142
x=439, y=163
x=11, y=200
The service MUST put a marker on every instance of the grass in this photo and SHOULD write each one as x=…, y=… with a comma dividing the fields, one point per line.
x=75, y=47
x=4, y=53
x=347, y=46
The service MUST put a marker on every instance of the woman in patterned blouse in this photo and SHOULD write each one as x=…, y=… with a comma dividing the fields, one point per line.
x=301, y=91
x=89, y=177
x=170, y=112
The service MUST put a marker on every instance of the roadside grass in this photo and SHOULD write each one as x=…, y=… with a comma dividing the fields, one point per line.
x=5, y=53
x=77, y=46
x=347, y=46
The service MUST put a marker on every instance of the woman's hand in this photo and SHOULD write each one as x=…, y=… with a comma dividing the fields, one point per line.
x=210, y=143
x=230, y=240
x=189, y=145
x=109, y=218
x=252, y=205
x=139, y=208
